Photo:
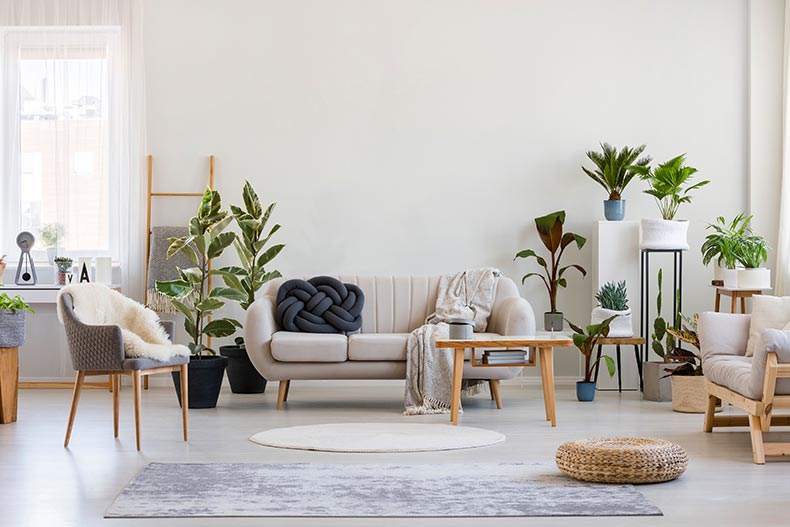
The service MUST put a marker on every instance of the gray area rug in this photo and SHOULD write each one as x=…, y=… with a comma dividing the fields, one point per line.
x=182, y=490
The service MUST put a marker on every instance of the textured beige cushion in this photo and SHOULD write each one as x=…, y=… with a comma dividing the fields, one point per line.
x=377, y=346
x=768, y=312
x=309, y=347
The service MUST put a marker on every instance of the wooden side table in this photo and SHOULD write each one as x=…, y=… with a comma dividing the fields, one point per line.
x=621, y=341
x=735, y=294
x=9, y=384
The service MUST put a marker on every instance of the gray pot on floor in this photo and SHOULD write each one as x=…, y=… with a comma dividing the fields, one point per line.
x=657, y=386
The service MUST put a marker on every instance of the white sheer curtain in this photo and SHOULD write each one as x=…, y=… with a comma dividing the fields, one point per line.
x=73, y=134
x=783, y=244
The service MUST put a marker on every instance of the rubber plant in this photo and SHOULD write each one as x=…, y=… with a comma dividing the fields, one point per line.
x=614, y=169
x=190, y=293
x=586, y=341
x=251, y=249
x=555, y=240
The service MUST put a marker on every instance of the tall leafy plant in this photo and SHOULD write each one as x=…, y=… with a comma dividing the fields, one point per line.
x=550, y=230
x=586, y=343
x=669, y=184
x=190, y=293
x=614, y=170
x=723, y=244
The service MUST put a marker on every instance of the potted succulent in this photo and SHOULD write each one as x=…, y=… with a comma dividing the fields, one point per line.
x=669, y=185
x=586, y=342
x=613, y=301
x=247, y=280
x=614, y=171
x=688, y=384
x=63, y=266
x=193, y=297
x=12, y=320
x=50, y=235
x=721, y=247
x=556, y=241
x=752, y=253
x=656, y=385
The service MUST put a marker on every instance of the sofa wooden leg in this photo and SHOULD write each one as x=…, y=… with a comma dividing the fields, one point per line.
x=282, y=393
x=765, y=421
x=710, y=413
x=493, y=385
x=758, y=448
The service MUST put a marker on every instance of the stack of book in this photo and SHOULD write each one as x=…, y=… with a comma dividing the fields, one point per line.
x=505, y=356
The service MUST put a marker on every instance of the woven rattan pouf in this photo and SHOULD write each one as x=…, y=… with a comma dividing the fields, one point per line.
x=622, y=460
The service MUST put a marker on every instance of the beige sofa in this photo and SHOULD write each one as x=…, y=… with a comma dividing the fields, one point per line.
x=394, y=306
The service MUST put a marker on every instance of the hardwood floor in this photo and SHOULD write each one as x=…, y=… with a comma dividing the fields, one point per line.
x=43, y=484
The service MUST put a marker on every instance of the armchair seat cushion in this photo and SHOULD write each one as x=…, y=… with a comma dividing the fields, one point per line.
x=377, y=346
x=288, y=346
x=733, y=372
x=140, y=363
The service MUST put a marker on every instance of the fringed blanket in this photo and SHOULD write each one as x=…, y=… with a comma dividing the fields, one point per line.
x=429, y=369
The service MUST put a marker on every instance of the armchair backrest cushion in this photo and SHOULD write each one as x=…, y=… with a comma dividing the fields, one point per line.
x=723, y=334
x=768, y=312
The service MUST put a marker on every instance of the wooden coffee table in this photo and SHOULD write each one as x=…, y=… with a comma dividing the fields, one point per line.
x=544, y=341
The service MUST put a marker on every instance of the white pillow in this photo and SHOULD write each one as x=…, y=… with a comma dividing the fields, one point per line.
x=768, y=312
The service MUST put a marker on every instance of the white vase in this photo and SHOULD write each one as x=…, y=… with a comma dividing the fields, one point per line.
x=103, y=274
x=730, y=278
x=664, y=234
x=619, y=327
x=718, y=274
x=759, y=278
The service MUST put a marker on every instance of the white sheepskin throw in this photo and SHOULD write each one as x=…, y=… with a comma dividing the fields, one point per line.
x=143, y=335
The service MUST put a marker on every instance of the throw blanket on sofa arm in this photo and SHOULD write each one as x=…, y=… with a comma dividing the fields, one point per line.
x=429, y=369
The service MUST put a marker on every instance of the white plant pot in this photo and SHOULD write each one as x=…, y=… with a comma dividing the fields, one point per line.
x=759, y=278
x=664, y=234
x=730, y=278
x=619, y=327
x=718, y=273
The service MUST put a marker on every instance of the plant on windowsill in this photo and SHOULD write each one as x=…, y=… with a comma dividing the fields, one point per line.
x=612, y=300
x=669, y=185
x=50, y=235
x=586, y=342
x=550, y=230
x=247, y=279
x=614, y=171
x=63, y=265
x=12, y=320
x=721, y=247
x=2, y=267
x=197, y=301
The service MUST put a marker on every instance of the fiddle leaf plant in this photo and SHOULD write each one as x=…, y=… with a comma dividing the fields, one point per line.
x=586, y=342
x=190, y=293
x=251, y=249
x=550, y=230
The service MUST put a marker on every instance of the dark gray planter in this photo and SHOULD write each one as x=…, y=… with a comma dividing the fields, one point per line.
x=553, y=321
x=657, y=386
x=12, y=329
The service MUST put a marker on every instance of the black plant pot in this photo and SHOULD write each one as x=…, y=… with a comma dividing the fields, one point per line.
x=243, y=376
x=205, y=381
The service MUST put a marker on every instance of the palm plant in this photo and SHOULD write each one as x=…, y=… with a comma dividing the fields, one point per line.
x=723, y=244
x=613, y=296
x=614, y=170
x=668, y=184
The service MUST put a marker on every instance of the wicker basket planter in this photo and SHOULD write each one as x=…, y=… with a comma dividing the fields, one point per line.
x=622, y=460
x=12, y=329
x=689, y=394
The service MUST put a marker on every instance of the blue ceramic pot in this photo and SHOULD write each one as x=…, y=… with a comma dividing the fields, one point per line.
x=585, y=391
x=614, y=209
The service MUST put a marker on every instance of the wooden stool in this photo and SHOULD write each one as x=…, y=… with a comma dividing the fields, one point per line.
x=621, y=341
x=9, y=384
x=735, y=293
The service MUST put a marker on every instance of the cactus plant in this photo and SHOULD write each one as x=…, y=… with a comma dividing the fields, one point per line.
x=665, y=351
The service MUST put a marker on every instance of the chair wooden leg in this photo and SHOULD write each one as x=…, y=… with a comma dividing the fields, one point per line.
x=115, y=383
x=493, y=385
x=710, y=413
x=75, y=400
x=758, y=449
x=185, y=399
x=282, y=393
x=136, y=384
x=145, y=382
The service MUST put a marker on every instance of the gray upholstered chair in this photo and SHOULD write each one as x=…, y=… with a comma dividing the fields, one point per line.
x=98, y=350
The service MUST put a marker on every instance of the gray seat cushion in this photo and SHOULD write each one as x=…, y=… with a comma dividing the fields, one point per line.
x=309, y=347
x=147, y=364
x=377, y=346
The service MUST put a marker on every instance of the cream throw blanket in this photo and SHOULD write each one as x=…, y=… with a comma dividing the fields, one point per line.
x=143, y=335
x=429, y=370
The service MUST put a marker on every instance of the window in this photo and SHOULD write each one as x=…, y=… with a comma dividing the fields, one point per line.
x=59, y=157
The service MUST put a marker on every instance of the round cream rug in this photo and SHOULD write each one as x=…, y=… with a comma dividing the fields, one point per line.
x=377, y=437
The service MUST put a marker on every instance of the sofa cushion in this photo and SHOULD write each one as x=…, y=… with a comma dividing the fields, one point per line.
x=309, y=347
x=377, y=346
x=320, y=305
x=768, y=312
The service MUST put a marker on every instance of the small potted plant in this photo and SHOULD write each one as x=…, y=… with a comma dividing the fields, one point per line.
x=752, y=253
x=657, y=387
x=614, y=171
x=2, y=267
x=721, y=247
x=586, y=342
x=12, y=320
x=191, y=295
x=669, y=185
x=613, y=301
x=51, y=235
x=63, y=265
x=550, y=230
x=688, y=384
x=247, y=280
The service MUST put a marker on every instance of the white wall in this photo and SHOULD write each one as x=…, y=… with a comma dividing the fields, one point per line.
x=418, y=137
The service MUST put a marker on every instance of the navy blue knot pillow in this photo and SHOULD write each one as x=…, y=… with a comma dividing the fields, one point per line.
x=320, y=305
